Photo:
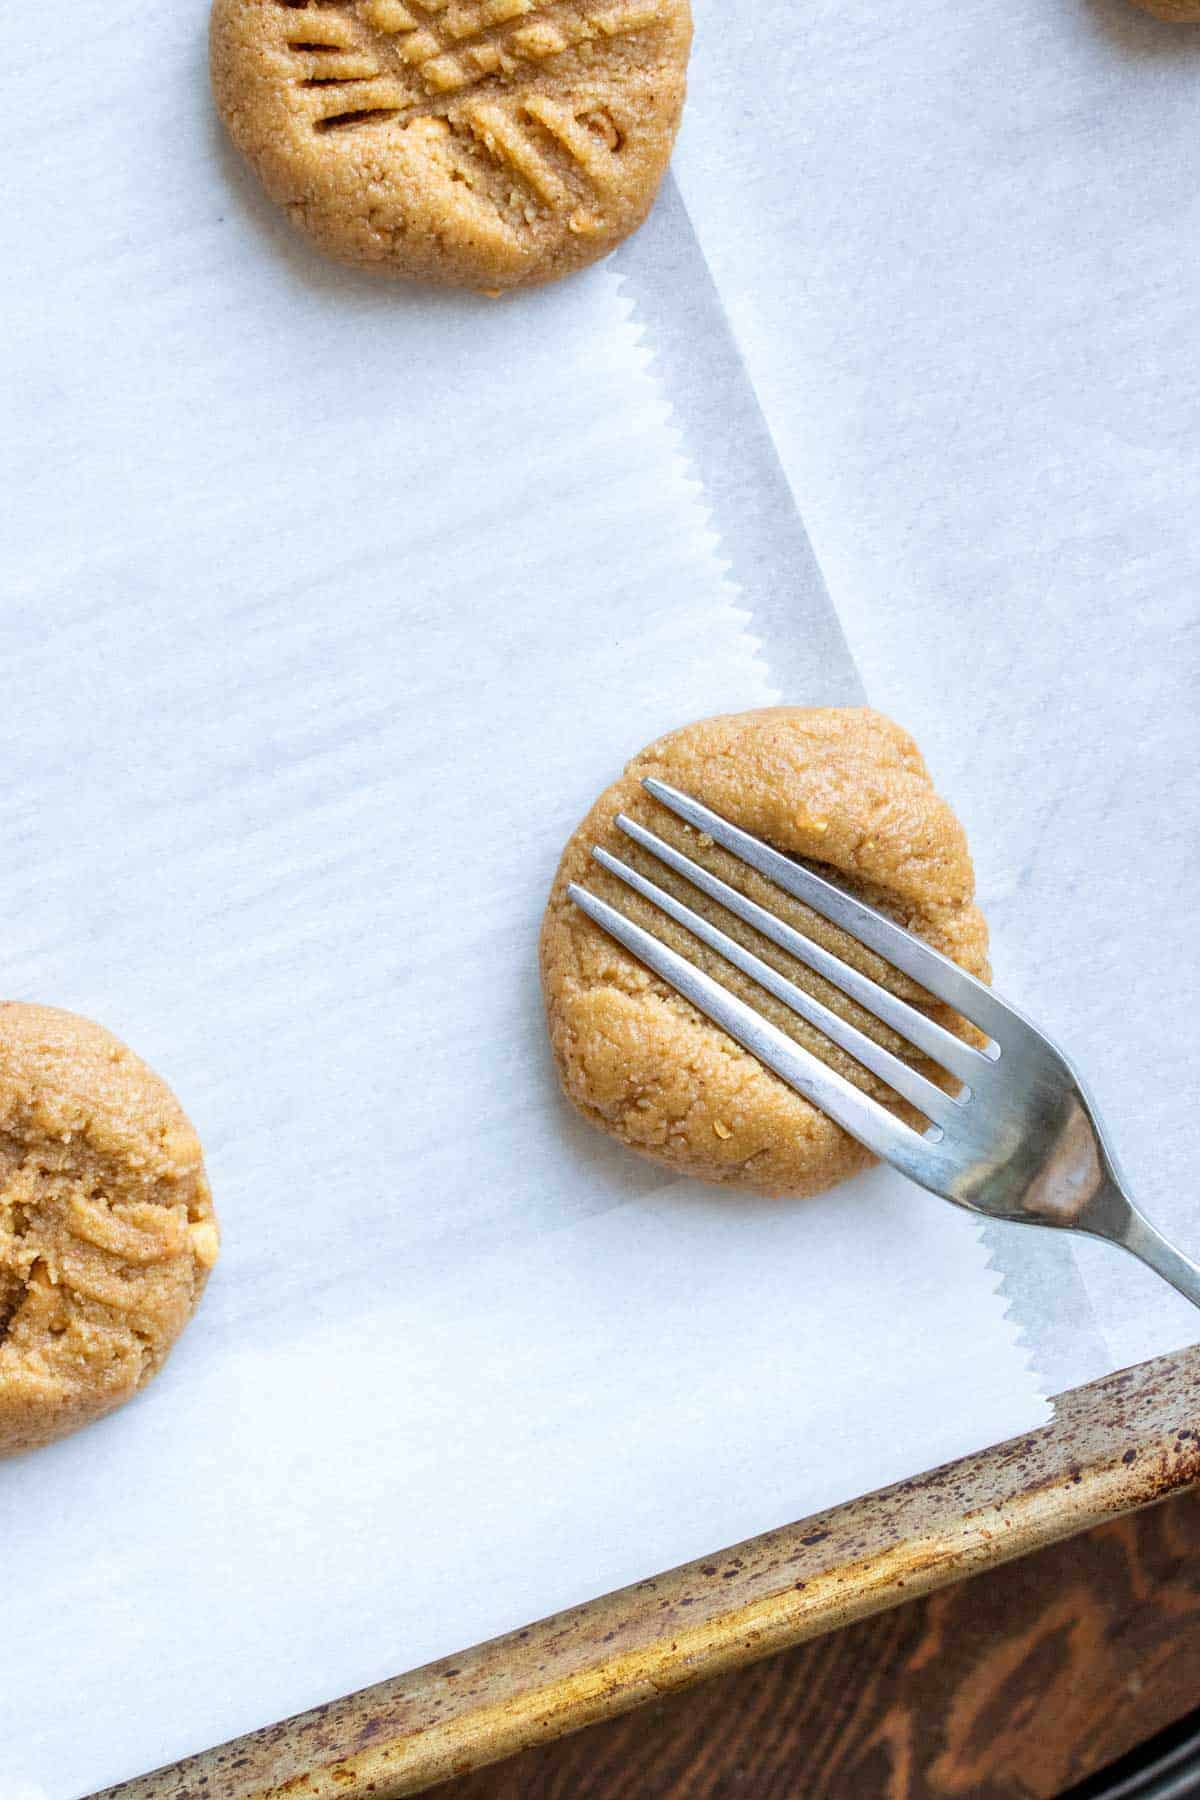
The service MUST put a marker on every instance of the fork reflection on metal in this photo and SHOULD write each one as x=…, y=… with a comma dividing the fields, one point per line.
x=1020, y=1139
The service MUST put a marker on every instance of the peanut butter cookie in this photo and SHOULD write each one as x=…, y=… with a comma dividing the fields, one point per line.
x=107, y=1232
x=844, y=789
x=482, y=143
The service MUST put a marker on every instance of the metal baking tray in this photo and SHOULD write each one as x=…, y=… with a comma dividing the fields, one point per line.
x=1114, y=1447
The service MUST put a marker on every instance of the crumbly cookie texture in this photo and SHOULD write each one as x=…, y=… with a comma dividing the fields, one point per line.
x=107, y=1231
x=482, y=143
x=842, y=788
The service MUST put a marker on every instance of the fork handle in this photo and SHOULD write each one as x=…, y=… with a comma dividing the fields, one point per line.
x=1136, y=1234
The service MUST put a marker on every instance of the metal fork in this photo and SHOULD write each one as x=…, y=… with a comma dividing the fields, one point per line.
x=1020, y=1140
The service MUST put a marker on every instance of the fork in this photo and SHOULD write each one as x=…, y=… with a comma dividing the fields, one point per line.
x=1019, y=1140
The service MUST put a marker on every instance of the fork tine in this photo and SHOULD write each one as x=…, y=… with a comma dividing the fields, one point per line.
x=856, y=1112
x=901, y=948
x=932, y=1039
x=908, y=1082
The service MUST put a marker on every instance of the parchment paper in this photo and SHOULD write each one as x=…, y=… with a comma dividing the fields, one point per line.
x=959, y=245
x=328, y=610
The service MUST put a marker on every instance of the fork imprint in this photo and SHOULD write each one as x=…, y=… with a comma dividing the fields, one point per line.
x=397, y=60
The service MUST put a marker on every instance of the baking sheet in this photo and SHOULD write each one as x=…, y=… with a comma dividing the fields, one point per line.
x=959, y=245
x=328, y=608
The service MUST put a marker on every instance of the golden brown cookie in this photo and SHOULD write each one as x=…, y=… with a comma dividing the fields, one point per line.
x=482, y=143
x=107, y=1232
x=844, y=789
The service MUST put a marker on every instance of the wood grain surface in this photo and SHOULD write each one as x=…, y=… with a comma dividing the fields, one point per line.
x=1018, y=1682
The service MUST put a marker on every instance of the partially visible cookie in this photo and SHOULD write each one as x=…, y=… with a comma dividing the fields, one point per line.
x=483, y=143
x=107, y=1231
x=843, y=788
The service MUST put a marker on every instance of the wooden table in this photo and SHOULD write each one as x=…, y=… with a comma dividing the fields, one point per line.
x=1018, y=1682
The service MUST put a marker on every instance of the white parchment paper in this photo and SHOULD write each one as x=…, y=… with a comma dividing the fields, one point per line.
x=327, y=609
x=960, y=248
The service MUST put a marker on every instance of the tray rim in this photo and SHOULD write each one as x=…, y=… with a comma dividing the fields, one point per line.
x=1113, y=1447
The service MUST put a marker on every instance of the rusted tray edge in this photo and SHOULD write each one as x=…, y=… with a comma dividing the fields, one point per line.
x=1114, y=1447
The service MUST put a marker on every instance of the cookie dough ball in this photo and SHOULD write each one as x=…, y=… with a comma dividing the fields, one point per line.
x=482, y=143
x=107, y=1233
x=844, y=789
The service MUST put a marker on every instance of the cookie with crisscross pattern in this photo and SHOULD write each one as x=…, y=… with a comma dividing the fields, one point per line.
x=107, y=1233
x=488, y=143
